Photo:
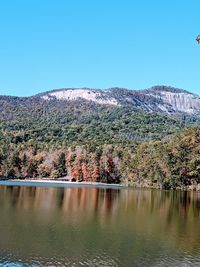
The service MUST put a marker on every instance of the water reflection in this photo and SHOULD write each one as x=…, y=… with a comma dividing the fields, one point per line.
x=166, y=205
x=64, y=199
x=92, y=225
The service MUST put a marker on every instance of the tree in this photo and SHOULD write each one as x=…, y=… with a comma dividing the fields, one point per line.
x=96, y=174
x=61, y=165
x=32, y=169
x=85, y=171
x=77, y=170
x=15, y=160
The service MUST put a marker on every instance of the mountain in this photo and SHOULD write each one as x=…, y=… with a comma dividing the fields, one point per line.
x=113, y=135
x=156, y=99
x=114, y=115
x=162, y=99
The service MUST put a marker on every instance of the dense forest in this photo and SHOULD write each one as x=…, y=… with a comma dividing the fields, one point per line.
x=100, y=143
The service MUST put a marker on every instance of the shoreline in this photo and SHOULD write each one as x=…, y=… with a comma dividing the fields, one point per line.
x=68, y=184
x=57, y=183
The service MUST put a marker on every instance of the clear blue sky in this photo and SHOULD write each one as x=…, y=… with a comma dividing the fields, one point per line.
x=46, y=44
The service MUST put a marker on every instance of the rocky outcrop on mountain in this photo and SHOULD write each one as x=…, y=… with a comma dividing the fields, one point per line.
x=161, y=99
x=156, y=99
x=179, y=100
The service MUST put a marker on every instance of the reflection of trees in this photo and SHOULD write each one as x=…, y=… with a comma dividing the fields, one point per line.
x=166, y=218
x=92, y=202
x=151, y=202
x=172, y=217
x=67, y=200
x=167, y=203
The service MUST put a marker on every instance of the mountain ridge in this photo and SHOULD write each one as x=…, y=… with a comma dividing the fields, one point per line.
x=154, y=87
x=155, y=99
x=159, y=98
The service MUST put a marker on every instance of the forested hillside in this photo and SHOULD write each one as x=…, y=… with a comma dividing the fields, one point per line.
x=81, y=122
x=173, y=162
x=94, y=142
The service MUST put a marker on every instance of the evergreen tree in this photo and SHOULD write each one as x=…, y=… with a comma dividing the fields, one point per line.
x=61, y=165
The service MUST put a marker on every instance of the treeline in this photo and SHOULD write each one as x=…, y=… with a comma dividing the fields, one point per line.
x=102, y=165
x=173, y=162
x=170, y=163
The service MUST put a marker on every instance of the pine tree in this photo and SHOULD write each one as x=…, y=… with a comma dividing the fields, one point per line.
x=61, y=165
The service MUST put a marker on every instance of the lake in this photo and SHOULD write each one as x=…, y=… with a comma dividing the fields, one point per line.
x=41, y=226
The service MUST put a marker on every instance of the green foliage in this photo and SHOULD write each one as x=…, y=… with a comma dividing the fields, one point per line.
x=88, y=141
x=35, y=122
x=170, y=163
x=61, y=165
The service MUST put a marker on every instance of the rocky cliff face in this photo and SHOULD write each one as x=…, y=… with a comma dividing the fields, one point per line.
x=99, y=96
x=156, y=99
x=179, y=100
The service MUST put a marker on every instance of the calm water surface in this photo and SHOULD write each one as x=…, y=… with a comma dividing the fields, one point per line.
x=42, y=226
